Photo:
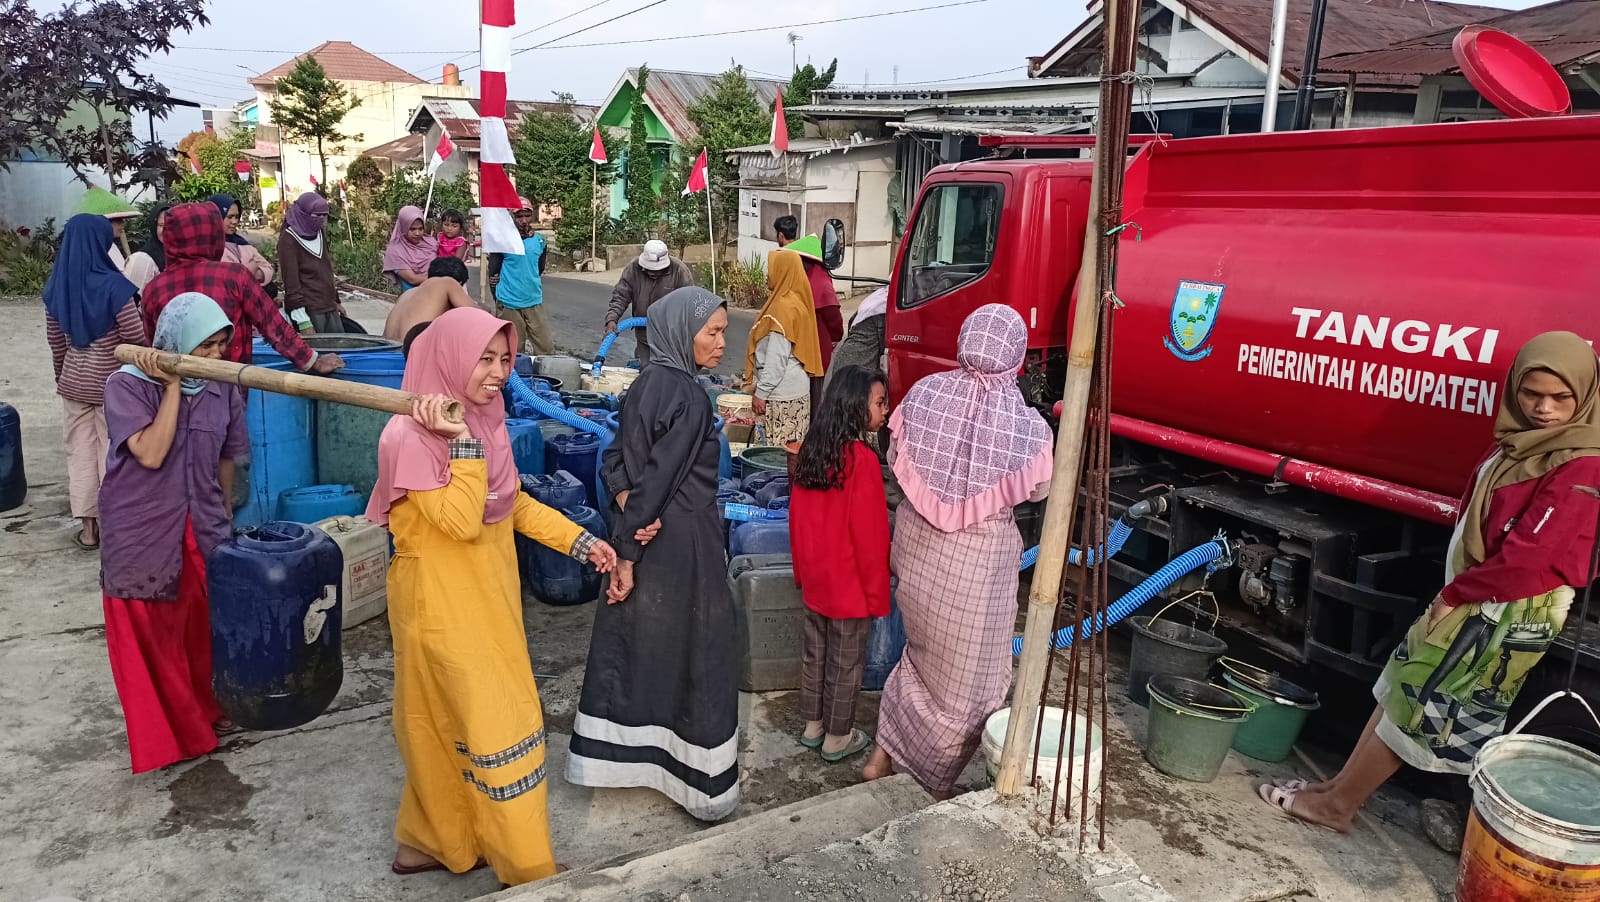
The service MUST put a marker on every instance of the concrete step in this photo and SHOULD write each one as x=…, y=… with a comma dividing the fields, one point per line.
x=747, y=844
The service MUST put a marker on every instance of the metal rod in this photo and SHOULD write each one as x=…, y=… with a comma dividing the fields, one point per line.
x=1307, y=95
x=1269, y=104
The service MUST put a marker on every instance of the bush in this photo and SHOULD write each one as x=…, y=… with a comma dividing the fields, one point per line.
x=410, y=187
x=740, y=284
x=361, y=262
x=25, y=259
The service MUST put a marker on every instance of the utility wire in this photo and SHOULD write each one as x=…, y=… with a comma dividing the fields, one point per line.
x=718, y=34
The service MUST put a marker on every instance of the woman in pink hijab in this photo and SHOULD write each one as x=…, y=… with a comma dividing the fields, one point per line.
x=966, y=449
x=410, y=250
x=467, y=716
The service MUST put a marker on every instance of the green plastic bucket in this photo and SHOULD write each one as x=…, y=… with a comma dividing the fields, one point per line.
x=761, y=459
x=1191, y=726
x=1281, y=711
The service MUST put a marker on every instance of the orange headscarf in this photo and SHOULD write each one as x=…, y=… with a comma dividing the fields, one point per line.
x=789, y=312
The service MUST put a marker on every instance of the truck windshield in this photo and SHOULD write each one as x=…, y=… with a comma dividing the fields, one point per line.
x=952, y=242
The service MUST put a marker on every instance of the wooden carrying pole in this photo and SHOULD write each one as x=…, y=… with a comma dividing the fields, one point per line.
x=301, y=385
x=1093, y=279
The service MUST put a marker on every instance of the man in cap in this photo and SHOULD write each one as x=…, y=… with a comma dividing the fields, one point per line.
x=645, y=281
x=518, y=284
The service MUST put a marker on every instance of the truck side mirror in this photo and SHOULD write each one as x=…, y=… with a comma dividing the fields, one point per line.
x=832, y=244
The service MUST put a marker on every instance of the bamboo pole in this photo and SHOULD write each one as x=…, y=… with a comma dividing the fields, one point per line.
x=300, y=385
x=1056, y=536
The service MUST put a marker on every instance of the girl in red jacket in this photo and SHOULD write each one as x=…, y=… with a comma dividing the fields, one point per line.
x=839, y=535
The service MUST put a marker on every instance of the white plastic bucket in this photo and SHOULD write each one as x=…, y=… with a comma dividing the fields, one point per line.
x=1086, y=766
x=365, y=545
x=613, y=380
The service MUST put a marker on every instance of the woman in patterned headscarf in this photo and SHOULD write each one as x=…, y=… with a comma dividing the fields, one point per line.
x=967, y=449
x=1523, y=541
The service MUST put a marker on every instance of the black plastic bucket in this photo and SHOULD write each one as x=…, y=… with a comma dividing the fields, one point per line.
x=1164, y=647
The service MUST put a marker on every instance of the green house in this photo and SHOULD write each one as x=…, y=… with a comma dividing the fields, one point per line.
x=668, y=95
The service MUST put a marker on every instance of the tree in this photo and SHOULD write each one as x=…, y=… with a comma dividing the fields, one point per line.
x=805, y=82
x=730, y=116
x=310, y=107
x=91, y=56
x=364, y=174
x=552, y=151
x=216, y=155
x=640, y=191
x=409, y=187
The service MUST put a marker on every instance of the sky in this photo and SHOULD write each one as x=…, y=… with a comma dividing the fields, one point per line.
x=967, y=40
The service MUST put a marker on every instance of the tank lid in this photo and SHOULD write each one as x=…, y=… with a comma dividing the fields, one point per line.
x=1510, y=74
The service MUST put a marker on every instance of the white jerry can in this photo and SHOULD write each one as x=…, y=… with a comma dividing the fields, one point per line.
x=366, y=565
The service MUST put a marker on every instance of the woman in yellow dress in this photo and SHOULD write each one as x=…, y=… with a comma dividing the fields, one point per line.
x=466, y=711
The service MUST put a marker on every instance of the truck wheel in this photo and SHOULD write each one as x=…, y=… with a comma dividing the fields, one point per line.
x=1565, y=719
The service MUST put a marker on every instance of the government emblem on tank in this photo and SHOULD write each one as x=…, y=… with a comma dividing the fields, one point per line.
x=1194, y=313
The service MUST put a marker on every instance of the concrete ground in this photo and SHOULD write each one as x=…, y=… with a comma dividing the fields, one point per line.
x=306, y=814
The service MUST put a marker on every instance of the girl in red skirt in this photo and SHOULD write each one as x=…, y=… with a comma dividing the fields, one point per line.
x=162, y=511
x=839, y=535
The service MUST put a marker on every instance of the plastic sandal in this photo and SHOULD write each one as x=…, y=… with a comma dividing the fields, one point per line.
x=858, y=744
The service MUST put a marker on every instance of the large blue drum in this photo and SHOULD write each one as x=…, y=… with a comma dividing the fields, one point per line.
x=276, y=613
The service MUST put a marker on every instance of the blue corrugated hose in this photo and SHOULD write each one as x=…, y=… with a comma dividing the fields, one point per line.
x=1175, y=569
x=1120, y=531
x=525, y=393
x=632, y=322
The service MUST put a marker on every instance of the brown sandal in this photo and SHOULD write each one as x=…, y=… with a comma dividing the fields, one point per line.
x=406, y=870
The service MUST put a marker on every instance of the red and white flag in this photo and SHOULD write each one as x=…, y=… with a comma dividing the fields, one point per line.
x=441, y=153
x=597, y=148
x=699, y=176
x=314, y=181
x=497, y=197
x=780, y=129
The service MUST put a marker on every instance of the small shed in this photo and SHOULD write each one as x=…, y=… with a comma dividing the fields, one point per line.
x=816, y=180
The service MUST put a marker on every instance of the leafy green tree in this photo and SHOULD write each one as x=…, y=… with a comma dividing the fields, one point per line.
x=552, y=151
x=640, y=190
x=216, y=154
x=578, y=211
x=728, y=117
x=806, y=81
x=310, y=107
x=410, y=187
x=91, y=54
x=684, y=215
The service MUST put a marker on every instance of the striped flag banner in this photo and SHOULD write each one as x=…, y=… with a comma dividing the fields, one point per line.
x=497, y=196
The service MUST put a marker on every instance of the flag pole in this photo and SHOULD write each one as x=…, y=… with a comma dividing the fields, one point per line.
x=710, y=235
x=429, y=202
x=594, y=209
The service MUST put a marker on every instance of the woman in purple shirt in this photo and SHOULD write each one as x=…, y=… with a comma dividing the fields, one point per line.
x=162, y=511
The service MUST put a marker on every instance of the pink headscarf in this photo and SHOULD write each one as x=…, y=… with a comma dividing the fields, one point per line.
x=411, y=458
x=967, y=445
x=401, y=252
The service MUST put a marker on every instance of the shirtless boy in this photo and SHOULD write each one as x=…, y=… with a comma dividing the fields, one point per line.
x=444, y=288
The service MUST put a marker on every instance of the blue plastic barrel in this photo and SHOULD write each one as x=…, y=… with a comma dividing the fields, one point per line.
x=310, y=503
x=591, y=399
x=763, y=536
x=560, y=580
x=283, y=445
x=772, y=489
x=13, y=481
x=578, y=454
x=347, y=345
x=724, y=452
x=276, y=614
x=527, y=444
x=885, y=644
x=347, y=437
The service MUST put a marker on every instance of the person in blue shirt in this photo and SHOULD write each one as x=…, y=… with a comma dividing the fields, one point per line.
x=518, y=285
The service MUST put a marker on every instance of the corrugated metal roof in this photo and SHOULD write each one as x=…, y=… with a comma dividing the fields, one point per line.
x=400, y=150
x=672, y=93
x=343, y=61
x=459, y=115
x=1564, y=33
x=813, y=146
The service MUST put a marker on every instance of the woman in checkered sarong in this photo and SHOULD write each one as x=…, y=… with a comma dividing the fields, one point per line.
x=966, y=449
x=1523, y=540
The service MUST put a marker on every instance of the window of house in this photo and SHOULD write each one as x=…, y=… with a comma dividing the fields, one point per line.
x=953, y=240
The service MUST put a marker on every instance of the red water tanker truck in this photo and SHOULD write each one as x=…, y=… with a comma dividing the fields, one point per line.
x=1316, y=330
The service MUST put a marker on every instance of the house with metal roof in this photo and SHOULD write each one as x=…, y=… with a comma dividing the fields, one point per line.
x=388, y=96
x=668, y=97
x=458, y=117
x=1566, y=33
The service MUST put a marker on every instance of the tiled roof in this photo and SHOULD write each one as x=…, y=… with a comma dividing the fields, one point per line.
x=343, y=61
x=1564, y=32
x=671, y=94
x=459, y=115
